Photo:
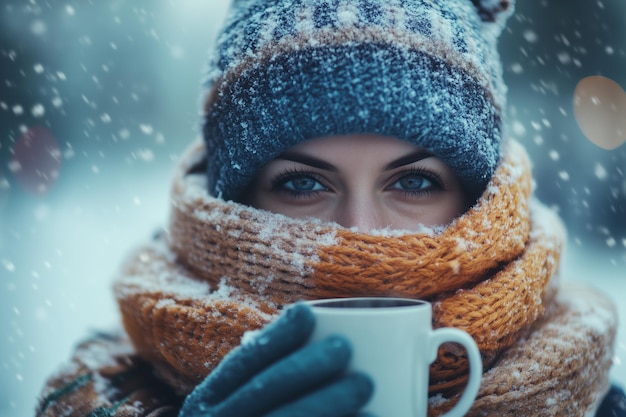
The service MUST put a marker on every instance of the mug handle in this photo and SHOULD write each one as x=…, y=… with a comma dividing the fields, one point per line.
x=449, y=334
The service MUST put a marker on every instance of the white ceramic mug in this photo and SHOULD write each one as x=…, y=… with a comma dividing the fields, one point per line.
x=394, y=343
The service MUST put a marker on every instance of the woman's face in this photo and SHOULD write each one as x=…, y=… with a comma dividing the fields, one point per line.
x=363, y=181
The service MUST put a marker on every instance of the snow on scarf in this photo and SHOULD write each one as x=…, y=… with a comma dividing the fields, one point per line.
x=222, y=269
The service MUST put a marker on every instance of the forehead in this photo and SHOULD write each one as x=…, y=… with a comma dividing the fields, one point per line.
x=356, y=143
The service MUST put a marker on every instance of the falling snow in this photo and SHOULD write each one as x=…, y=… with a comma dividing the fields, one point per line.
x=146, y=129
x=8, y=265
x=554, y=155
x=38, y=110
x=600, y=172
x=530, y=36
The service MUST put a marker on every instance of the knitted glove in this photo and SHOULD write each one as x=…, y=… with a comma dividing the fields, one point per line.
x=613, y=404
x=276, y=375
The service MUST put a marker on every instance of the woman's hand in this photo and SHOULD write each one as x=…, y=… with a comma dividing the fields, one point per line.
x=276, y=375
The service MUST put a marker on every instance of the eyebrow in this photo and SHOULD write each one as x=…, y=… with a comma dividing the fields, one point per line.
x=408, y=159
x=307, y=160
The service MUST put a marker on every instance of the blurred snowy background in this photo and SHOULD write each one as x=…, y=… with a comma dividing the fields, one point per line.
x=110, y=91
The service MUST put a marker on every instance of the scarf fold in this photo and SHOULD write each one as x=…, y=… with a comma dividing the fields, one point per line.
x=223, y=268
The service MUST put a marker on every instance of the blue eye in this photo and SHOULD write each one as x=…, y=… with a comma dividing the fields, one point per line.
x=411, y=182
x=416, y=182
x=302, y=183
x=298, y=184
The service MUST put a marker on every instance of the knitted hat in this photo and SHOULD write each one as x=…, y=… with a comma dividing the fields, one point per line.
x=286, y=71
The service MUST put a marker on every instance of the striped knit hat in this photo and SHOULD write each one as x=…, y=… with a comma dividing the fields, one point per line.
x=424, y=71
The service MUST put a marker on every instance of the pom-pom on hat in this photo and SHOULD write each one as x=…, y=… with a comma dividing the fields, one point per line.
x=286, y=71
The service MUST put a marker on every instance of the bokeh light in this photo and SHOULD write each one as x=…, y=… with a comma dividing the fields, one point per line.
x=36, y=161
x=600, y=109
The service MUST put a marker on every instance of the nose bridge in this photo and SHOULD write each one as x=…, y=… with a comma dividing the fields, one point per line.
x=362, y=211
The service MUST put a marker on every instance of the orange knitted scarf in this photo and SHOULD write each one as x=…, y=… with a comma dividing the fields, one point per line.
x=224, y=268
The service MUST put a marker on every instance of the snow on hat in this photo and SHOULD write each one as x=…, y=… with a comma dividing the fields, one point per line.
x=286, y=71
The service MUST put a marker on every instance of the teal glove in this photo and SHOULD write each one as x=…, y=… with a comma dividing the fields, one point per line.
x=276, y=375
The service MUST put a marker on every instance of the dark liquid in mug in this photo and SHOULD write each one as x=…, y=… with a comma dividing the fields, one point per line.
x=367, y=302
